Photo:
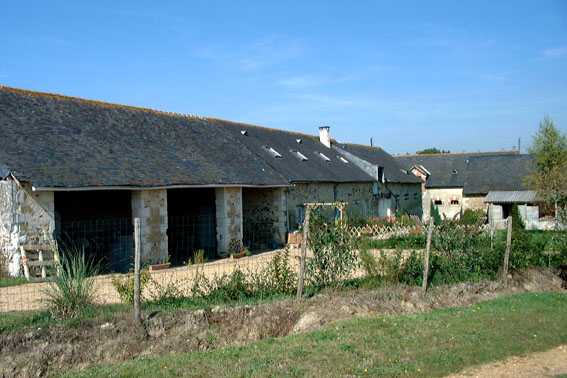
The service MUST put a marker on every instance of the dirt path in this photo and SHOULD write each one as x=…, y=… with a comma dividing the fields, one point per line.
x=543, y=364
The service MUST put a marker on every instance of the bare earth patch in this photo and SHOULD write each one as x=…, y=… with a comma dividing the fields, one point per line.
x=543, y=364
x=37, y=352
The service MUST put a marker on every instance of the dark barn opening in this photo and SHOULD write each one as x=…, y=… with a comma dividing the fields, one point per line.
x=191, y=224
x=98, y=222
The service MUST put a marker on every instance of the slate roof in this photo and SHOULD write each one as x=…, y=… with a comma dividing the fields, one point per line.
x=291, y=165
x=524, y=196
x=58, y=141
x=496, y=173
x=447, y=170
x=55, y=141
x=393, y=172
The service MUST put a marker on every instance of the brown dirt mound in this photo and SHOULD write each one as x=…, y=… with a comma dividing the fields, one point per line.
x=37, y=352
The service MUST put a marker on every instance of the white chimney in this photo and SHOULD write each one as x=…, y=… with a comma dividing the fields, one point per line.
x=325, y=135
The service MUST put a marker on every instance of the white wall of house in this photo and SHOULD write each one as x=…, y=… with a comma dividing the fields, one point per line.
x=529, y=214
x=448, y=209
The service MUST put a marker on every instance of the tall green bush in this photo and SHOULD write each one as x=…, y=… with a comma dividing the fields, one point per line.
x=335, y=254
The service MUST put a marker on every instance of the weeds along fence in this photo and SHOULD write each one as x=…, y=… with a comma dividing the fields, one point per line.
x=31, y=296
x=458, y=253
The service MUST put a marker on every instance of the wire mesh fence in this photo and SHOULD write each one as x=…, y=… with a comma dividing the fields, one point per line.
x=108, y=242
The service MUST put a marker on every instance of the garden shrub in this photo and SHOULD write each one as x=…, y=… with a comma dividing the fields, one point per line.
x=335, y=254
x=124, y=284
x=473, y=217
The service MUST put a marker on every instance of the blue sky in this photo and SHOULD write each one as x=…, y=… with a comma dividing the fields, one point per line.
x=463, y=76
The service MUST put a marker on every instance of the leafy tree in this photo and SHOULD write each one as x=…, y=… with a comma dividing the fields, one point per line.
x=548, y=171
x=433, y=150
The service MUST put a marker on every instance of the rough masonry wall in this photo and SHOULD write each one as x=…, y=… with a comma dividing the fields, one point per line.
x=474, y=203
x=409, y=198
x=229, y=217
x=265, y=206
x=360, y=197
x=151, y=207
x=26, y=217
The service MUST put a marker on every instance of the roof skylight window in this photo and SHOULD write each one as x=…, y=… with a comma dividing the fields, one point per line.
x=273, y=152
x=323, y=156
x=300, y=155
x=343, y=160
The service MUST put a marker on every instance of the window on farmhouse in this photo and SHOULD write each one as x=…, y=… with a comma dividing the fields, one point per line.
x=438, y=202
x=454, y=202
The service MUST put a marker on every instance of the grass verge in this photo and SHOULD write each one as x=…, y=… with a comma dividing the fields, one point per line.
x=429, y=344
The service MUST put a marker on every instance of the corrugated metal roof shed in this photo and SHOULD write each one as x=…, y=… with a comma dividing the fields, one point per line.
x=525, y=196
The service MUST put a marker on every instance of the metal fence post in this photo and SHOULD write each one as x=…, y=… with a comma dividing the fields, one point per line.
x=426, y=257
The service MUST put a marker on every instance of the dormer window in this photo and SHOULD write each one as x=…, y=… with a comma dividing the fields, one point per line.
x=300, y=155
x=322, y=155
x=343, y=159
x=298, y=141
x=273, y=152
x=244, y=132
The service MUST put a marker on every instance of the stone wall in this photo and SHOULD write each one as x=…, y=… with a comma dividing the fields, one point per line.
x=264, y=211
x=362, y=201
x=151, y=207
x=26, y=217
x=474, y=203
x=229, y=217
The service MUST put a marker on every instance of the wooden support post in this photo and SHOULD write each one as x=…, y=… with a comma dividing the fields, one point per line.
x=137, y=257
x=40, y=258
x=25, y=262
x=507, y=253
x=303, y=254
x=426, y=257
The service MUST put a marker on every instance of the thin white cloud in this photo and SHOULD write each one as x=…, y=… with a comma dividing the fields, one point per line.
x=309, y=81
x=265, y=52
x=553, y=53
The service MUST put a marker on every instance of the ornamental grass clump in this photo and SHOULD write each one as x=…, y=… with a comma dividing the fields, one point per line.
x=72, y=290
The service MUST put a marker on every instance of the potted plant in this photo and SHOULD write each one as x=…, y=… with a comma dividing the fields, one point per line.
x=237, y=252
x=161, y=264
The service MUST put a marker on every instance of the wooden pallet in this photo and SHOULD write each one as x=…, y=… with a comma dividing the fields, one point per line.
x=40, y=262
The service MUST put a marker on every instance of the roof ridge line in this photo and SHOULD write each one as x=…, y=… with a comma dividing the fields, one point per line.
x=458, y=153
x=96, y=102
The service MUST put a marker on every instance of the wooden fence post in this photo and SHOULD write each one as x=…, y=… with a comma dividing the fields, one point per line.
x=426, y=258
x=507, y=254
x=137, y=257
x=303, y=253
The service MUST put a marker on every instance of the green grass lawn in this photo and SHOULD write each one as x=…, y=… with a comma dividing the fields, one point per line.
x=10, y=281
x=428, y=344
